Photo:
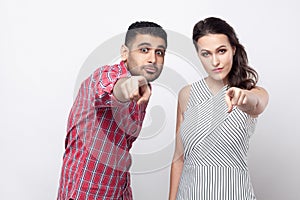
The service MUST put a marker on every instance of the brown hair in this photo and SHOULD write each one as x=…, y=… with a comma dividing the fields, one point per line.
x=241, y=74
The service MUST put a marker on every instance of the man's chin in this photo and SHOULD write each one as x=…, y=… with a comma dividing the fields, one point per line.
x=151, y=77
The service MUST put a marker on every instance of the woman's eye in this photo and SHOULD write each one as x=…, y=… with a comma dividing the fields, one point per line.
x=204, y=54
x=222, y=51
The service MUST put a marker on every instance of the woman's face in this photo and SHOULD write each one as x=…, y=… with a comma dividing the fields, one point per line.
x=216, y=55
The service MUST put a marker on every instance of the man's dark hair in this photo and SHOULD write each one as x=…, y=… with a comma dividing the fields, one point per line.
x=144, y=27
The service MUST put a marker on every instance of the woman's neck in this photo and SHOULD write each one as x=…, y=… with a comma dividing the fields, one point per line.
x=215, y=85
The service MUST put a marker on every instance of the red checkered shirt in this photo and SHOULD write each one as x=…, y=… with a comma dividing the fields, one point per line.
x=100, y=133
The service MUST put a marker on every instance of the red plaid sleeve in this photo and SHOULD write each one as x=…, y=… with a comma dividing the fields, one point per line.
x=105, y=82
x=96, y=160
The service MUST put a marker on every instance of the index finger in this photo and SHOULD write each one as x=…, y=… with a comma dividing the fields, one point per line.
x=145, y=95
x=228, y=101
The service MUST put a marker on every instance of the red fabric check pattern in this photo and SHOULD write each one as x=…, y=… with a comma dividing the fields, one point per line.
x=100, y=133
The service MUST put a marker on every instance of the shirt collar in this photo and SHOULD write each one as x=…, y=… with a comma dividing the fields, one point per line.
x=124, y=68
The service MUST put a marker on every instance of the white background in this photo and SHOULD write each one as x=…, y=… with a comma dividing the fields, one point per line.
x=43, y=45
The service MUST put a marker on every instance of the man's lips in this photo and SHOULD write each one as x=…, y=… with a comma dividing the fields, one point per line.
x=150, y=69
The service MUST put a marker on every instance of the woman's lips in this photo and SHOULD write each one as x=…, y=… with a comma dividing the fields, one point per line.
x=218, y=70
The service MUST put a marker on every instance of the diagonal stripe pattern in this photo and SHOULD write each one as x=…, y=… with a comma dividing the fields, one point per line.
x=215, y=148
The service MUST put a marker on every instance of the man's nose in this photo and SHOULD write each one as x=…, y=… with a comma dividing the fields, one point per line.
x=152, y=56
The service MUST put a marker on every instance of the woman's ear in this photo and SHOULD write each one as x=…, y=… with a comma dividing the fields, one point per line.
x=233, y=50
x=124, y=52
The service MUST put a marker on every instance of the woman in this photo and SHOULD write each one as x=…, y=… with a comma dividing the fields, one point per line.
x=215, y=119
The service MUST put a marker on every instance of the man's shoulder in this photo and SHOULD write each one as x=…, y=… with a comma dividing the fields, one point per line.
x=112, y=68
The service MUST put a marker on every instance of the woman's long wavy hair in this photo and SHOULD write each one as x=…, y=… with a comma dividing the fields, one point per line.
x=241, y=74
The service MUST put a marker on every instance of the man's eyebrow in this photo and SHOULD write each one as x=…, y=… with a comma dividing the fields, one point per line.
x=148, y=44
x=144, y=44
x=162, y=46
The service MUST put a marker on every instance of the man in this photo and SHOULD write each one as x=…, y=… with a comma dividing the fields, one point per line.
x=107, y=116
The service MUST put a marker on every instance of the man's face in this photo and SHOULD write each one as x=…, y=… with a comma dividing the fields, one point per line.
x=145, y=56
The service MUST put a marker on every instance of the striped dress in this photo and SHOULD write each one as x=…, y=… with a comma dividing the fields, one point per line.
x=215, y=148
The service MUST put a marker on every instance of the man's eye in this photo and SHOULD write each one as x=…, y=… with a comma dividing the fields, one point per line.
x=160, y=52
x=144, y=50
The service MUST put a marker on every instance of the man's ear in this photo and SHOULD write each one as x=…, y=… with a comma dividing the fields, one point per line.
x=124, y=52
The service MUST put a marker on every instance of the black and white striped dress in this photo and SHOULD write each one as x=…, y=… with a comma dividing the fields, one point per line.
x=215, y=148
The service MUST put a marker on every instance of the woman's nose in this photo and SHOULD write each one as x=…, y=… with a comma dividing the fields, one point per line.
x=215, y=60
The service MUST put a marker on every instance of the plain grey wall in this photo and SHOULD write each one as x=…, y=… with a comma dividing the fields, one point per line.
x=43, y=46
